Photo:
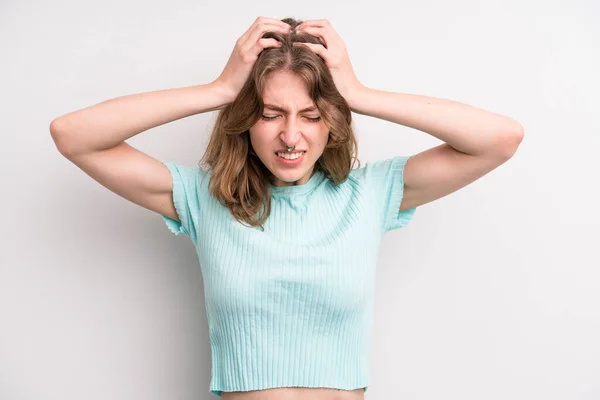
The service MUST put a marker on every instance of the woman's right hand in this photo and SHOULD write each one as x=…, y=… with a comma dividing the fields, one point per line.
x=246, y=51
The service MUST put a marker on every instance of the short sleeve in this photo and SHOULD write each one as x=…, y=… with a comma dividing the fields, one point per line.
x=186, y=199
x=384, y=179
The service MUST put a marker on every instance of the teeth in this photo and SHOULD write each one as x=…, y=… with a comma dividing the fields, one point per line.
x=289, y=156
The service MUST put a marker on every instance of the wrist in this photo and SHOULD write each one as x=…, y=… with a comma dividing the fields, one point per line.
x=223, y=92
x=356, y=97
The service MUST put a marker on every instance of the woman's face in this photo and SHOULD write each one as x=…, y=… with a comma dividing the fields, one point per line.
x=290, y=117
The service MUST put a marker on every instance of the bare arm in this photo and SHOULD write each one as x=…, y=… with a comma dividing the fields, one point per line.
x=107, y=124
x=94, y=140
x=476, y=141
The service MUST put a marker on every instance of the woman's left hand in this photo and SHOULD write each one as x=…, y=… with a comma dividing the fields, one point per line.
x=335, y=56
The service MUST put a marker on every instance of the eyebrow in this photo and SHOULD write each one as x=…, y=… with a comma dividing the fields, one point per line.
x=276, y=108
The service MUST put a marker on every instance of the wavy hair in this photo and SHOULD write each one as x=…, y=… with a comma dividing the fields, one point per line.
x=239, y=180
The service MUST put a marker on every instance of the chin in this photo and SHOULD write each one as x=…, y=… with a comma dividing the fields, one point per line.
x=290, y=177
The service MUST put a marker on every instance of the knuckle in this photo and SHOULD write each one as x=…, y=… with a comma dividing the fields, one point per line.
x=247, y=57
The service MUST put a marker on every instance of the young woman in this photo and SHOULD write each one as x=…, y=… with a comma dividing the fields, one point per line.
x=286, y=231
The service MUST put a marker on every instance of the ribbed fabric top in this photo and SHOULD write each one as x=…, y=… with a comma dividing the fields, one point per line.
x=292, y=306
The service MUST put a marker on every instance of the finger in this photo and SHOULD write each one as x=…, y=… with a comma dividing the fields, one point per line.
x=321, y=23
x=260, y=29
x=321, y=33
x=265, y=43
x=263, y=20
x=268, y=21
x=317, y=48
x=250, y=53
x=274, y=21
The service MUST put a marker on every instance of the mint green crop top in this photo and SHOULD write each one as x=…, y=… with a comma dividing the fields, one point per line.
x=293, y=305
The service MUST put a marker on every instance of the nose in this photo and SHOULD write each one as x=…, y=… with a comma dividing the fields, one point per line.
x=290, y=134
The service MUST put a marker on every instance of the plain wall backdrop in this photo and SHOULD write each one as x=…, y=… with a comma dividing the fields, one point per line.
x=492, y=292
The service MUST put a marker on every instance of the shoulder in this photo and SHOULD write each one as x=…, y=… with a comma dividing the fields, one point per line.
x=187, y=175
x=379, y=170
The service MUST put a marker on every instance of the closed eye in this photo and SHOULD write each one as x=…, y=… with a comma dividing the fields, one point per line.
x=266, y=118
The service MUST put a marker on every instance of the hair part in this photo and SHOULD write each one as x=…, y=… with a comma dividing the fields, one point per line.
x=238, y=178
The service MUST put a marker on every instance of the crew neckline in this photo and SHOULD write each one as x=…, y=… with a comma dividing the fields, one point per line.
x=295, y=190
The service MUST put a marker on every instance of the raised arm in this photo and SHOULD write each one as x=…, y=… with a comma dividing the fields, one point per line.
x=94, y=140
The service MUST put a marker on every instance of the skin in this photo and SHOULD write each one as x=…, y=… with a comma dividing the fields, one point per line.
x=289, y=127
x=475, y=143
x=304, y=129
x=296, y=393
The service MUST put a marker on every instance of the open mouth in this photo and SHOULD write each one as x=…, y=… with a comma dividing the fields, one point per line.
x=290, y=156
x=290, y=159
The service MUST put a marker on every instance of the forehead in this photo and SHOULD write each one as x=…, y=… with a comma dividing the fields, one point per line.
x=287, y=90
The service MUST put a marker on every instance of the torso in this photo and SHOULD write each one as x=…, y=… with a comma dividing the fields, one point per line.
x=296, y=393
x=320, y=283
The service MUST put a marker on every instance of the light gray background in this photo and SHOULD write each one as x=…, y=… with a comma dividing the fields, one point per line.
x=490, y=293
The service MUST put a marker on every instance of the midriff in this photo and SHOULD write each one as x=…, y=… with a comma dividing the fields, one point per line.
x=296, y=393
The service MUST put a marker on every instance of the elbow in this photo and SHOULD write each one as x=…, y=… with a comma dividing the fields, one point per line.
x=58, y=132
x=509, y=142
x=516, y=138
x=60, y=125
x=55, y=128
